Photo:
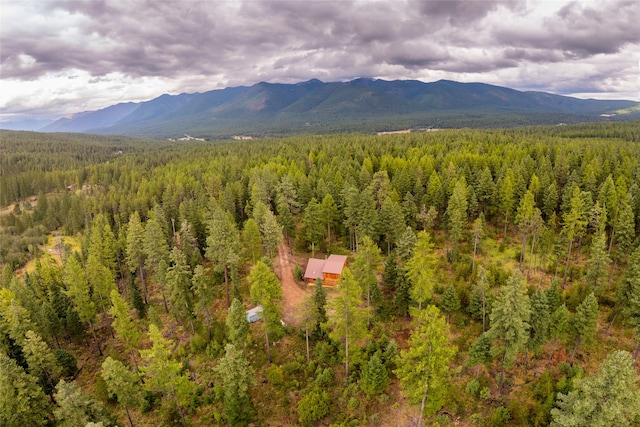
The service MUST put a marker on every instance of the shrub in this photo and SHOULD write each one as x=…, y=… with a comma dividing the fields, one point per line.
x=313, y=406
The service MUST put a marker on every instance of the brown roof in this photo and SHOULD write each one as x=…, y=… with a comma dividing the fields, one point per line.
x=334, y=264
x=314, y=268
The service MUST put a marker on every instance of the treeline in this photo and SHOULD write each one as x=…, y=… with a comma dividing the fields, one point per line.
x=488, y=261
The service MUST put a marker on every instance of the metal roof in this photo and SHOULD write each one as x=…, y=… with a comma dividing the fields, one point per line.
x=334, y=264
x=314, y=268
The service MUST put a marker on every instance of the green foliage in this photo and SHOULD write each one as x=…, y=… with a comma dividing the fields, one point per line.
x=235, y=374
x=75, y=408
x=608, y=398
x=347, y=319
x=22, y=402
x=585, y=321
x=423, y=369
x=121, y=383
x=314, y=405
x=374, y=378
x=67, y=362
x=237, y=324
x=421, y=269
x=510, y=316
x=450, y=300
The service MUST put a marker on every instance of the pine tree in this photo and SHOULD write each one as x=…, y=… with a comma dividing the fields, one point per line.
x=374, y=378
x=204, y=294
x=558, y=326
x=310, y=316
x=450, y=301
x=423, y=368
x=609, y=398
x=75, y=408
x=164, y=375
x=41, y=360
x=178, y=285
x=365, y=267
x=223, y=246
x=237, y=324
x=235, y=374
x=480, y=351
x=585, y=322
x=266, y=291
x=540, y=318
x=328, y=214
x=478, y=234
x=320, y=301
x=346, y=317
x=123, y=324
x=405, y=245
x=510, y=317
x=596, y=273
x=121, y=384
x=271, y=233
x=457, y=214
x=135, y=249
x=391, y=221
x=252, y=240
x=421, y=269
x=574, y=224
x=22, y=401
x=156, y=250
x=313, y=226
x=506, y=197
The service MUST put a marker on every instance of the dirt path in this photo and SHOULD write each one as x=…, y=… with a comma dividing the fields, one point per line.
x=293, y=293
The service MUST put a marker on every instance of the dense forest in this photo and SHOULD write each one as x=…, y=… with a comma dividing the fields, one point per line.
x=493, y=279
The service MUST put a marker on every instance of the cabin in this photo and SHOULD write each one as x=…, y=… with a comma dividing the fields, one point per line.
x=254, y=314
x=329, y=270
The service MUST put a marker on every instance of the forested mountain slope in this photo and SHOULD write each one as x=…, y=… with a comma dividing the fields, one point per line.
x=364, y=105
x=493, y=279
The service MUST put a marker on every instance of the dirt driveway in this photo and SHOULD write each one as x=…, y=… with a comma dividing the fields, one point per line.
x=292, y=292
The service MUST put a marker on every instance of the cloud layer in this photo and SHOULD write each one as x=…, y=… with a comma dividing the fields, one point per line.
x=62, y=56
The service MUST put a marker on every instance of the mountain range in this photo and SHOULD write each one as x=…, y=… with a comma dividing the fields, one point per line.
x=358, y=105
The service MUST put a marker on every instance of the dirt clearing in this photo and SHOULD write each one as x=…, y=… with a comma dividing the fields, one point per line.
x=292, y=292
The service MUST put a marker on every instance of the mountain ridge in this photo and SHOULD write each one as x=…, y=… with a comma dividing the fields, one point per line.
x=268, y=108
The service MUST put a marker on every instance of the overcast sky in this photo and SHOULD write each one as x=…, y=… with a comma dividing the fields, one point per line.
x=60, y=57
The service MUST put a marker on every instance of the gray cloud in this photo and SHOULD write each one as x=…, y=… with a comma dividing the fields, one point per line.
x=199, y=45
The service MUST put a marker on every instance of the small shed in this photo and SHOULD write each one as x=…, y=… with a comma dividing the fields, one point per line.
x=254, y=314
x=329, y=270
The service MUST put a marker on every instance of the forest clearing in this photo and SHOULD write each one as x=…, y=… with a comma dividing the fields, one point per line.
x=493, y=279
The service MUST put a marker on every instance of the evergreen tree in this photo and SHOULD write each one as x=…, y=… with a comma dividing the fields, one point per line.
x=41, y=360
x=423, y=368
x=346, y=317
x=252, y=240
x=365, y=268
x=235, y=374
x=271, y=233
x=310, y=322
x=313, y=226
x=506, y=197
x=204, y=294
x=22, y=401
x=421, y=269
x=450, y=300
x=609, y=398
x=156, y=250
x=457, y=214
x=478, y=234
x=267, y=292
x=540, y=318
x=391, y=221
x=164, y=375
x=574, y=224
x=558, y=326
x=223, y=246
x=585, y=322
x=123, y=324
x=374, y=378
x=390, y=272
x=596, y=273
x=75, y=408
x=178, y=284
x=320, y=301
x=121, y=384
x=480, y=351
x=329, y=215
x=510, y=316
x=237, y=324
x=405, y=245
